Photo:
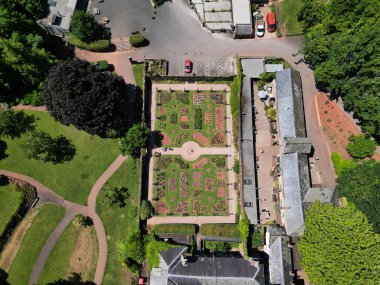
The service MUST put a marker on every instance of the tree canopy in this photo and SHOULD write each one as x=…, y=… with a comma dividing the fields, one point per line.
x=135, y=139
x=14, y=124
x=39, y=145
x=361, y=185
x=361, y=146
x=94, y=101
x=85, y=27
x=342, y=43
x=339, y=246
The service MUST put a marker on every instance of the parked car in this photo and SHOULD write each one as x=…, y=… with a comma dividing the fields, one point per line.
x=271, y=22
x=188, y=66
x=260, y=27
x=96, y=11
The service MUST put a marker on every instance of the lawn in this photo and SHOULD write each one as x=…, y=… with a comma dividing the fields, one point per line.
x=44, y=223
x=138, y=71
x=196, y=115
x=73, y=179
x=221, y=230
x=117, y=221
x=75, y=251
x=9, y=204
x=190, y=188
x=288, y=15
x=187, y=229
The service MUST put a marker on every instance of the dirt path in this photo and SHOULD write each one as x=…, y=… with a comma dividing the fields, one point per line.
x=72, y=209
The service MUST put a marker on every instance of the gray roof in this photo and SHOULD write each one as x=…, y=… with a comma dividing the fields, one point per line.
x=274, y=67
x=252, y=68
x=295, y=182
x=172, y=254
x=300, y=145
x=244, y=30
x=241, y=12
x=177, y=238
x=207, y=270
x=291, y=116
x=280, y=256
x=60, y=14
x=323, y=194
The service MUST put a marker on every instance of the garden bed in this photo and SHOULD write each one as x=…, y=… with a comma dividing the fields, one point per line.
x=190, y=188
x=191, y=115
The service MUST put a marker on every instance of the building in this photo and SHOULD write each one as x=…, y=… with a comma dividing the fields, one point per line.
x=296, y=192
x=279, y=250
x=242, y=18
x=176, y=269
x=58, y=20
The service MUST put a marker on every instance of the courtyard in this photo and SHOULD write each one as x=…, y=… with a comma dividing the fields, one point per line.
x=190, y=173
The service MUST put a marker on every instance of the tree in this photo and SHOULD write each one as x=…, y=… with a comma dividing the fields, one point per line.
x=116, y=195
x=82, y=221
x=94, y=101
x=132, y=212
x=244, y=231
x=339, y=247
x=145, y=210
x=85, y=27
x=361, y=146
x=257, y=239
x=135, y=139
x=35, y=8
x=14, y=124
x=360, y=184
x=133, y=247
x=217, y=246
x=39, y=145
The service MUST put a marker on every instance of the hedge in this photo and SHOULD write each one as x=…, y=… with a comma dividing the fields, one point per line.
x=100, y=45
x=137, y=40
x=221, y=230
x=187, y=229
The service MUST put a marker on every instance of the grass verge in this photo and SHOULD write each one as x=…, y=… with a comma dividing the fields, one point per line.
x=117, y=221
x=49, y=215
x=72, y=179
x=100, y=45
x=68, y=247
x=288, y=10
x=222, y=230
x=187, y=229
x=9, y=203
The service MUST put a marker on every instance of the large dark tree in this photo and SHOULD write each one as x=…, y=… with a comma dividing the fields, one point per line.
x=77, y=93
x=361, y=185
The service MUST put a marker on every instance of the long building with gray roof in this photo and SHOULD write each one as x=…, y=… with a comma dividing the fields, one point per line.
x=297, y=193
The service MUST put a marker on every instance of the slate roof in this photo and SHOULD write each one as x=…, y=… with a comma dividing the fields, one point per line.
x=291, y=115
x=323, y=194
x=280, y=256
x=206, y=270
x=300, y=145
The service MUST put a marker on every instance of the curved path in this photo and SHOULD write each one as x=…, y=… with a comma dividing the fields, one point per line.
x=72, y=209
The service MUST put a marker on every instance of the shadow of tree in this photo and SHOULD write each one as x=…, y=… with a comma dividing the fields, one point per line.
x=74, y=279
x=157, y=138
x=3, y=149
x=3, y=277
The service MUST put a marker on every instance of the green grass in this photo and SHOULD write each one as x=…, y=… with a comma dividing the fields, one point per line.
x=210, y=203
x=72, y=179
x=222, y=230
x=138, y=71
x=100, y=45
x=168, y=107
x=59, y=259
x=116, y=220
x=9, y=204
x=288, y=15
x=44, y=223
x=187, y=229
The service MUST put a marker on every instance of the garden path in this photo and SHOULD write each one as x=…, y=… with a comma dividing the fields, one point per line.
x=72, y=209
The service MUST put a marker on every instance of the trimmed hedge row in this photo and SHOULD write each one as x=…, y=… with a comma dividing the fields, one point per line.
x=187, y=229
x=100, y=45
x=138, y=40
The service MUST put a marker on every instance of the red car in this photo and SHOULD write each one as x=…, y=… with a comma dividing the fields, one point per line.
x=188, y=66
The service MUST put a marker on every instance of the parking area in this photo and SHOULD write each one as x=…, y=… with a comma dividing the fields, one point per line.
x=203, y=66
x=264, y=11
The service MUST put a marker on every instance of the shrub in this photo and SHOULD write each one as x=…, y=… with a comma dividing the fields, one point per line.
x=132, y=212
x=173, y=118
x=244, y=231
x=145, y=210
x=99, y=45
x=361, y=146
x=34, y=99
x=102, y=65
x=236, y=166
x=256, y=240
x=341, y=164
x=138, y=40
x=217, y=246
x=198, y=118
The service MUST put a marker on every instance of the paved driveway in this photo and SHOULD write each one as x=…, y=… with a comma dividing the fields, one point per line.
x=203, y=66
x=125, y=16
